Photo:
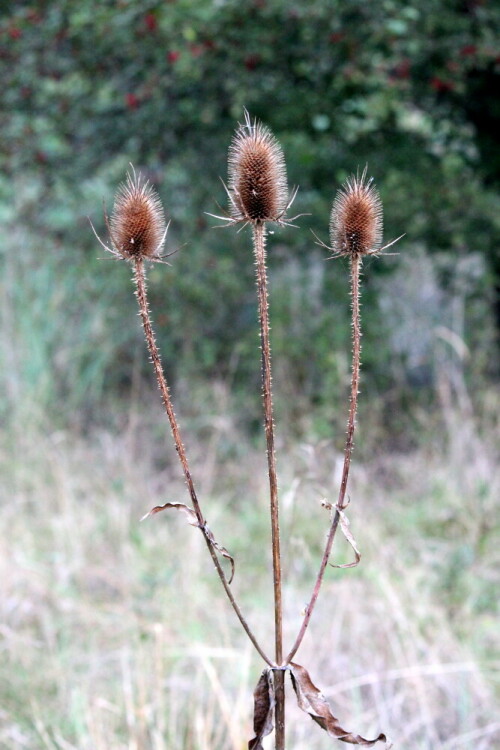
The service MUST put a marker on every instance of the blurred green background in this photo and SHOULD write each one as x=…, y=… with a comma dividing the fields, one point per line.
x=109, y=633
x=88, y=87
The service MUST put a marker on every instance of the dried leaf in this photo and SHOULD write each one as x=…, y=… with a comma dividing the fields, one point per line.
x=313, y=702
x=222, y=550
x=263, y=710
x=344, y=525
x=192, y=519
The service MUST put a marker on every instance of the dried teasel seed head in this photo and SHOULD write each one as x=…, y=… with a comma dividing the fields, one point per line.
x=356, y=220
x=137, y=224
x=257, y=175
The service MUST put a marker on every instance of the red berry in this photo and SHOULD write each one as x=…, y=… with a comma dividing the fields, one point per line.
x=173, y=56
x=252, y=61
x=131, y=101
x=151, y=22
x=469, y=49
x=439, y=85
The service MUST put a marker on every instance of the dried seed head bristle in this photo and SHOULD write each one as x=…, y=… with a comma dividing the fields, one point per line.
x=356, y=220
x=137, y=223
x=257, y=174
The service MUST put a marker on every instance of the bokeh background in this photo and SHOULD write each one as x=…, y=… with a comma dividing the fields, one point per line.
x=115, y=634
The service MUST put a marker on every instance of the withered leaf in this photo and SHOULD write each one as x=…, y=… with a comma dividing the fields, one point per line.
x=192, y=519
x=344, y=525
x=313, y=702
x=223, y=551
x=263, y=697
x=190, y=514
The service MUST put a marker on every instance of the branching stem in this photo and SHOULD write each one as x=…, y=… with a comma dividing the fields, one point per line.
x=259, y=240
x=141, y=294
x=341, y=504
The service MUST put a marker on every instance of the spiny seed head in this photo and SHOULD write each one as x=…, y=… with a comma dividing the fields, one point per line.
x=137, y=223
x=356, y=219
x=257, y=174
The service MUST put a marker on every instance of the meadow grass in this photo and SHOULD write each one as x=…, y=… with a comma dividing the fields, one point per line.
x=115, y=634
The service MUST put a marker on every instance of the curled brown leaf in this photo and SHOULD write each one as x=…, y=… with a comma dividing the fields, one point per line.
x=344, y=525
x=192, y=520
x=312, y=701
x=263, y=710
x=222, y=550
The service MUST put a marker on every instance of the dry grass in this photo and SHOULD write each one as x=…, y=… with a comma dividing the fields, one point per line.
x=115, y=635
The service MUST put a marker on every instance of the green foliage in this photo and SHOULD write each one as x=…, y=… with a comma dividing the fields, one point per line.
x=89, y=87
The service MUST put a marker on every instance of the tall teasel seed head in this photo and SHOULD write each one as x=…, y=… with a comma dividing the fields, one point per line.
x=257, y=188
x=137, y=224
x=356, y=220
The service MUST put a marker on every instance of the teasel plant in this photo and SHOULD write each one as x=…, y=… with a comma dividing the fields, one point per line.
x=258, y=195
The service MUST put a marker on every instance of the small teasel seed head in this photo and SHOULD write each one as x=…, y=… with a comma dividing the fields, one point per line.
x=356, y=220
x=257, y=175
x=137, y=223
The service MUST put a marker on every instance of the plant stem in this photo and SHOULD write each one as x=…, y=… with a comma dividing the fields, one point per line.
x=349, y=443
x=141, y=294
x=259, y=240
